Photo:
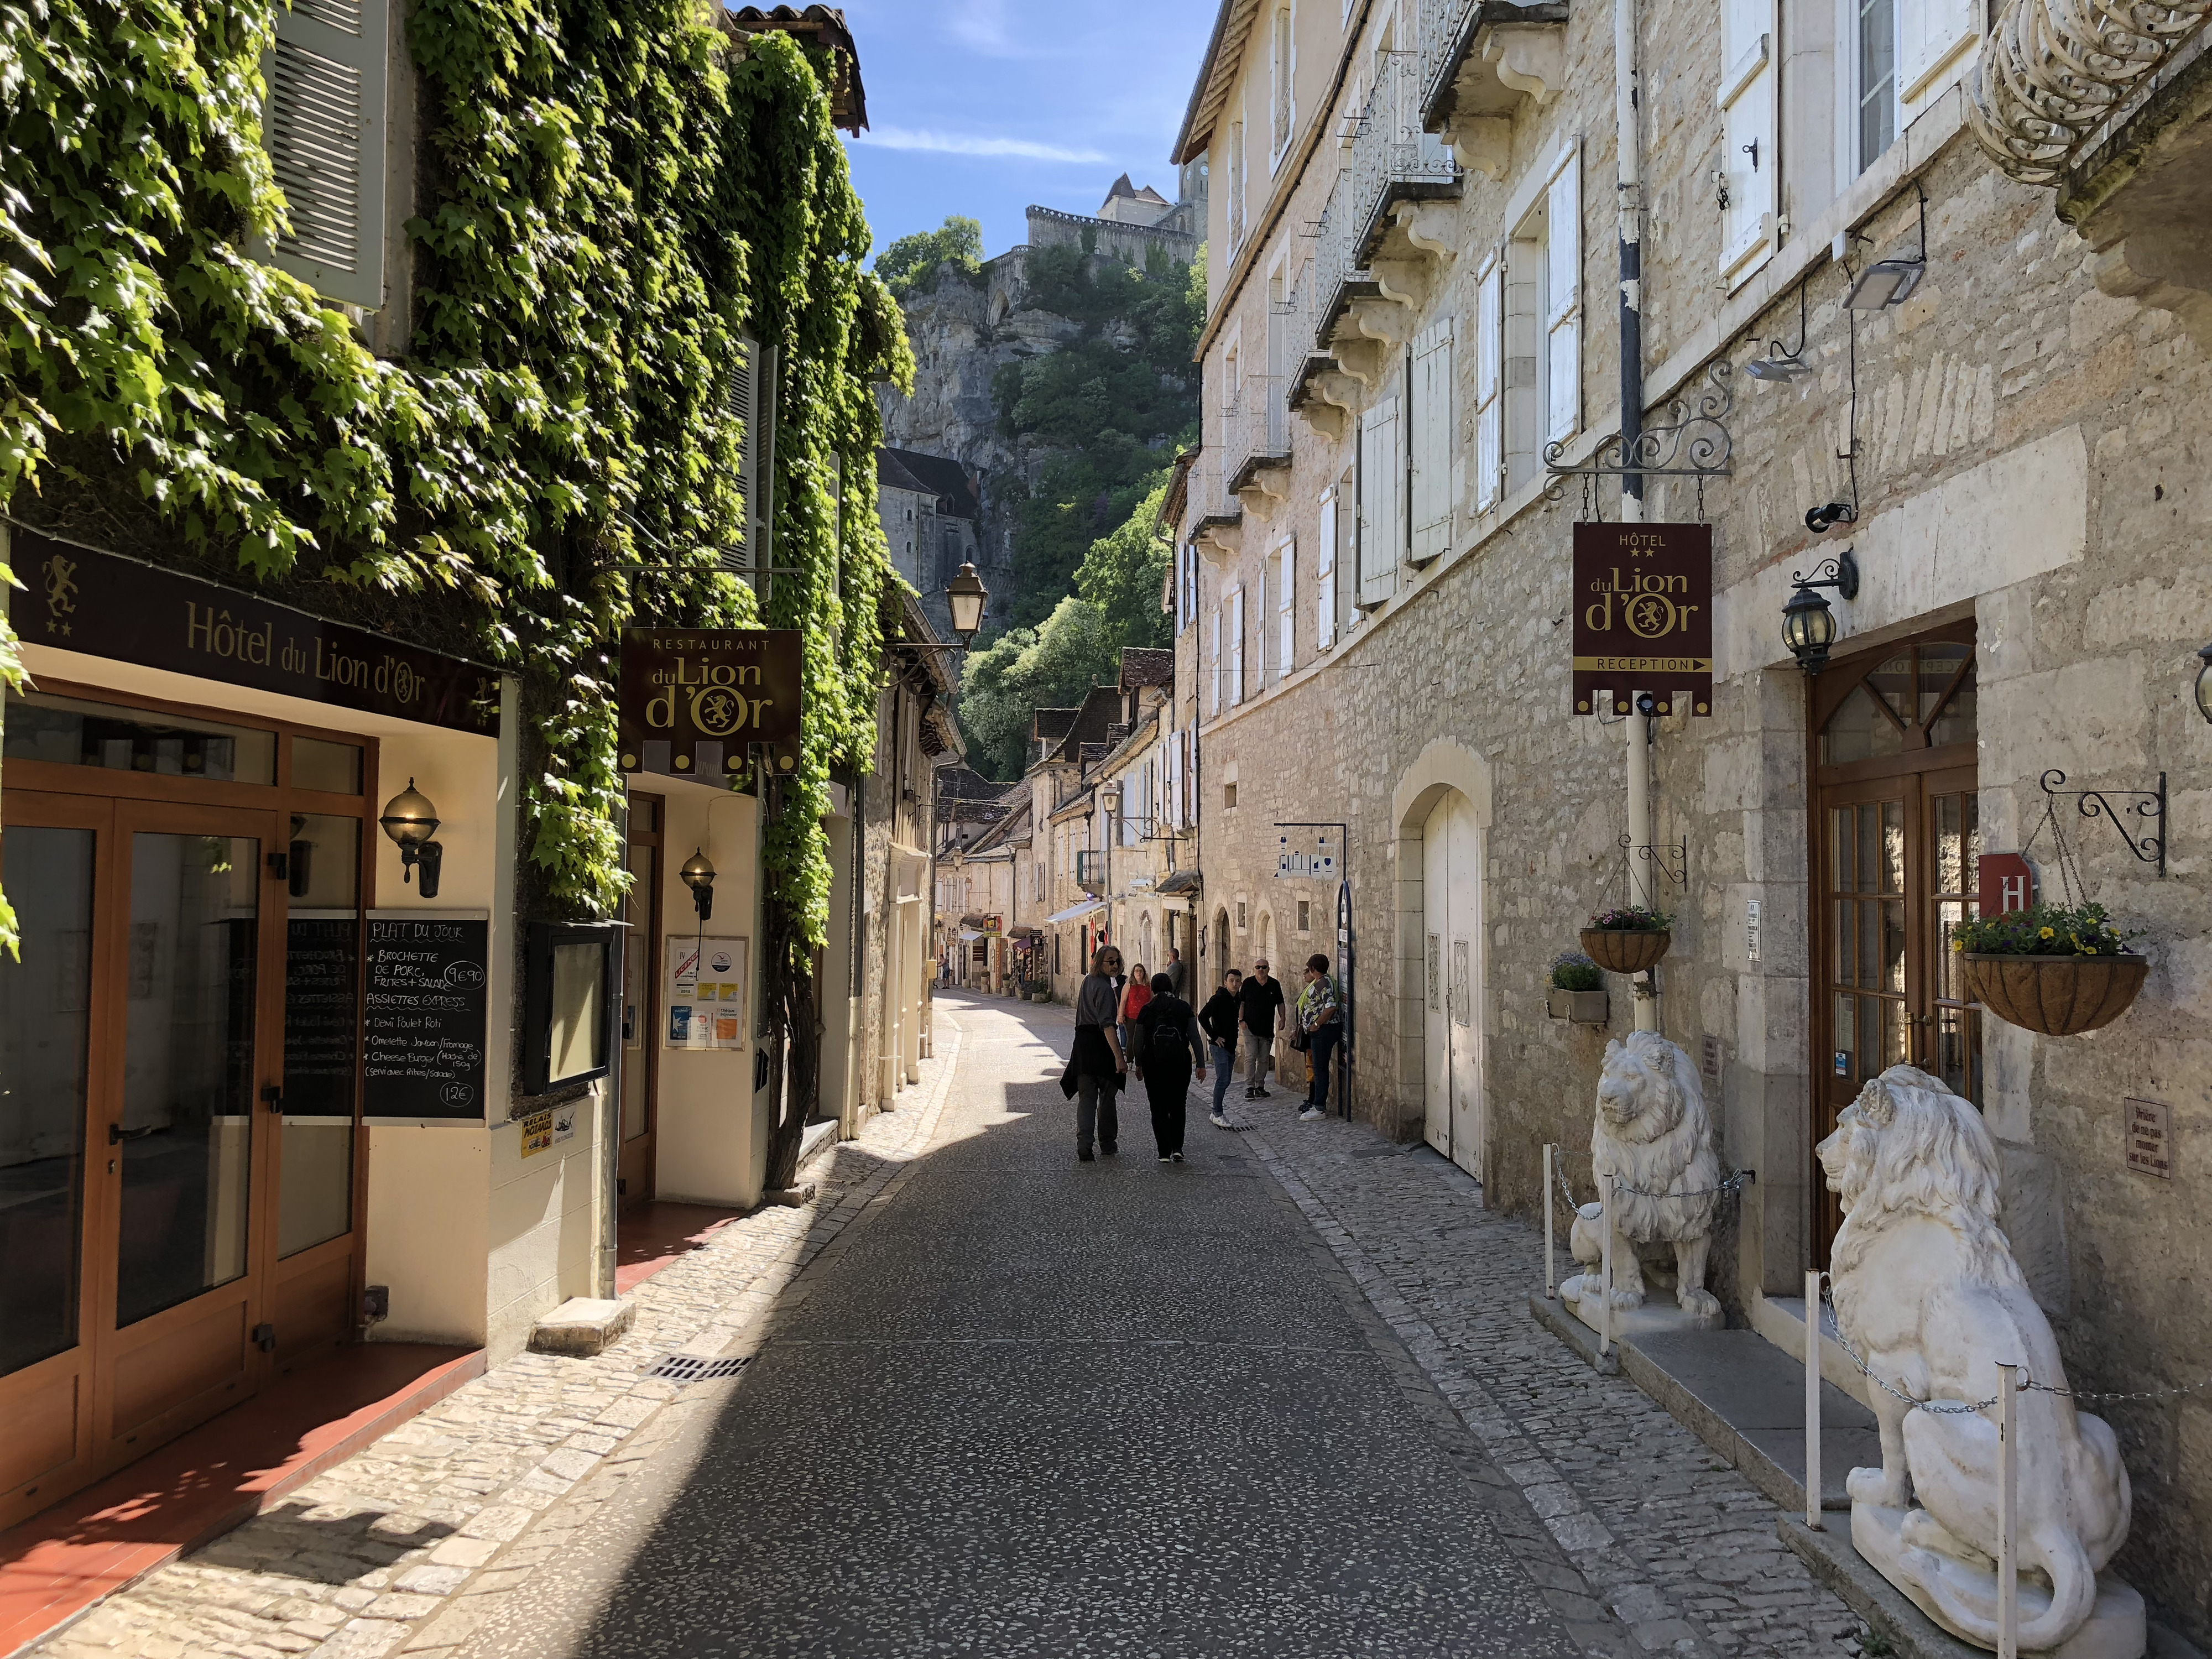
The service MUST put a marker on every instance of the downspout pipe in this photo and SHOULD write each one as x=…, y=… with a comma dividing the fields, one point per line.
x=1628, y=146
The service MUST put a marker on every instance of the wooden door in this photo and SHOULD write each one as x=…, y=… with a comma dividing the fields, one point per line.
x=1896, y=839
x=643, y=954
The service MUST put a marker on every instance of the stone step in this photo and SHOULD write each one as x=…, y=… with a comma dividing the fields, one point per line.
x=1735, y=1391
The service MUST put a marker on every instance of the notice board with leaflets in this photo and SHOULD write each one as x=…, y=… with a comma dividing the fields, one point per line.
x=425, y=1030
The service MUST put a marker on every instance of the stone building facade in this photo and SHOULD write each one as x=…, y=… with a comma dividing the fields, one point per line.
x=1414, y=291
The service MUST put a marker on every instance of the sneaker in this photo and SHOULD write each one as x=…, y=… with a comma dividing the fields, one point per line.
x=1106, y=1152
x=1218, y=1120
x=1177, y=1157
x=1261, y=1093
x=1312, y=1115
x=1085, y=1155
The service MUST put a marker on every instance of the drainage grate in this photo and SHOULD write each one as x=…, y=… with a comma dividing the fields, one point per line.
x=695, y=1368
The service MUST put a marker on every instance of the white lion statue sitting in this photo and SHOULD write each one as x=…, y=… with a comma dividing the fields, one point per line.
x=1928, y=1293
x=1651, y=1134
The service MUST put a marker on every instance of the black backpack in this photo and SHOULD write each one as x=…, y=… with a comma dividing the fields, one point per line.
x=1167, y=1040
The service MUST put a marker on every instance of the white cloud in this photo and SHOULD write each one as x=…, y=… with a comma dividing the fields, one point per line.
x=961, y=144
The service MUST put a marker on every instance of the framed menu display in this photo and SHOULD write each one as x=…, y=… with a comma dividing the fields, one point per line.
x=705, y=994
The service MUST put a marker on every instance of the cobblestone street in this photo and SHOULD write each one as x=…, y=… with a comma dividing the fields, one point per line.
x=1284, y=1399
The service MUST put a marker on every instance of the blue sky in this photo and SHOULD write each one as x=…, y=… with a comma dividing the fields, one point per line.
x=983, y=107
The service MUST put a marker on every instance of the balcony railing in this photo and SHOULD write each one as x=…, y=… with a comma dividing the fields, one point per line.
x=2053, y=80
x=1257, y=430
x=1392, y=159
x=1090, y=872
x=1442, y=43
x=1339, y=276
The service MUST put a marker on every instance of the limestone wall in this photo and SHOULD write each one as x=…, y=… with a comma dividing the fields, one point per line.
x=2030, y=457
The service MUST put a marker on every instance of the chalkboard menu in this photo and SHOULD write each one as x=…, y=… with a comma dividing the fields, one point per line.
x=322, y=961
x=426, y=1025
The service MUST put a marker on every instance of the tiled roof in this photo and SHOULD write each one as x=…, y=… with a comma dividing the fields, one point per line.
x=1143, y=667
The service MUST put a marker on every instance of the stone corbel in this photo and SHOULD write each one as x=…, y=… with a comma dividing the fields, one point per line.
x=1265, y=491
x=1332, y=399
x=1404, y=283
x=1429, y=227
x=1362, y=357
x=1482, y=144
x=1528, y=58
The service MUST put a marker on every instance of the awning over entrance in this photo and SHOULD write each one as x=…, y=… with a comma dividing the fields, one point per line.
x=1089, y=906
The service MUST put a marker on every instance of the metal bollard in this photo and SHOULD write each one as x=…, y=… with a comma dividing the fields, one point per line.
x=1605, y=1267
x=1550, y=1278
x=2007, y=1511
x=1813, y=1400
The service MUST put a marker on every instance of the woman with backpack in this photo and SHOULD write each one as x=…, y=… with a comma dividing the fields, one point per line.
x=1169, y=1045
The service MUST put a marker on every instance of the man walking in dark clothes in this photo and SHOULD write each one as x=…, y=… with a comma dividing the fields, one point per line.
x=1167, y=1046
x=1218, y=1019
x=1259, y=1004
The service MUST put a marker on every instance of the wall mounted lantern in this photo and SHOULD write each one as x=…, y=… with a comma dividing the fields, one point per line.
x=1808, y=627
x=699, y=876
x=966, y=595
x=411, y=821
x=1783, y=363
x=2204, y=682
x=1886, y=283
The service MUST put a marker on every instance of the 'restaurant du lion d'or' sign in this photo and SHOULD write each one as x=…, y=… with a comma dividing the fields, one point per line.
x=694, y=700
x=1644, y=615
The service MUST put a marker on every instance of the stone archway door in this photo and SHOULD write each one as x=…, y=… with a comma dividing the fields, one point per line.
x=1441, y=812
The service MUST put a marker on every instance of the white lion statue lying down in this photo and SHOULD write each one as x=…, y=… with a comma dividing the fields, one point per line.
x=1928, y=1292
x=1652, y=1135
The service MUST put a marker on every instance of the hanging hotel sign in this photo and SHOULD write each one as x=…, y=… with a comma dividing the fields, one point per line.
x=694, y=699
x=82, y=599
x=1644, y=615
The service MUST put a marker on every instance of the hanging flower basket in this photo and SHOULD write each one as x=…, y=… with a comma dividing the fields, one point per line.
x=2058, y=969
x=1627, y=940
x=2058, y=996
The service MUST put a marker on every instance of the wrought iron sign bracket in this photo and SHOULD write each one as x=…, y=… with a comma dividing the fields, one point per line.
x=1696, y=433
x=2146, y=804
x=1673, y=859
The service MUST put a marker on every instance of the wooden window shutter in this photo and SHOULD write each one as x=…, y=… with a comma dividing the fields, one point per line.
x=742, y=403
x=1237, y=646
x=1325, y=576
x=1286, y=639
x=1750, y=152
x=1490, y=385
x=1562, y=277
x=1430, y=443
x=323, y=126
x=1382, y=489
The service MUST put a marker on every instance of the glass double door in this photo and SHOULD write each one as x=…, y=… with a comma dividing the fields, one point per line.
x=1897, y=841
x=144, y=1130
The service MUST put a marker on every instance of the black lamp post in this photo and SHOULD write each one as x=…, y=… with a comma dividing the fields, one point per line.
x=966, y=595
x=699, y=876
x=1808, y=626
x=411, y=821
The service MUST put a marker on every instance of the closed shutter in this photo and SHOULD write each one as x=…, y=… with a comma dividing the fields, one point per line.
x=1430, y=443
x=1213, y=665
x=1325, y=576
x=1749, y=157
x=1563, y=281
x=1286, y=611
x=1237, y=646
x=745, y=405
x=1932, y=39
x=323, y=127
x=1381, y=496
x=1490, y=384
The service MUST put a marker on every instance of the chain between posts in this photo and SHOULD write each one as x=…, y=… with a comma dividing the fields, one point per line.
x=1735, y=1182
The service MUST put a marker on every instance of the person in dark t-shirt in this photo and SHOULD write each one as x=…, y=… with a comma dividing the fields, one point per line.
x=1259, y=1004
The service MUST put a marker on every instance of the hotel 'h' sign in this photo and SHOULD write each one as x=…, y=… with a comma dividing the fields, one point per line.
x=1644, y=615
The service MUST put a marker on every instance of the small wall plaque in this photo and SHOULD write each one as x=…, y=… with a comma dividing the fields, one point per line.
x=1709, y=1064
x=2149, y=1122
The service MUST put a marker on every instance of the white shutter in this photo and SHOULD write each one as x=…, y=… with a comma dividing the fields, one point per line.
x=1381, y=497
x=1213, y=663
x=1325, y=576
x=1490, y=384
x=1932, y=38
x=1563, y=273
x=1236, y=647
x=323, y=127
x=1431, y=440
x=1286, y=610
x=1750, y=155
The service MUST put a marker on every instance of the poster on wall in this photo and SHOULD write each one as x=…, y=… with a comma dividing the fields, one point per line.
x=705, y=994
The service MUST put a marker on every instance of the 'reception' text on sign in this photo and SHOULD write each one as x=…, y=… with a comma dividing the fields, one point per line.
x=695, y=699
x=1643, y=616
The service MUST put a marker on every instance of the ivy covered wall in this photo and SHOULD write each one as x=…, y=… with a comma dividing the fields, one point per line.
x=607, y=195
